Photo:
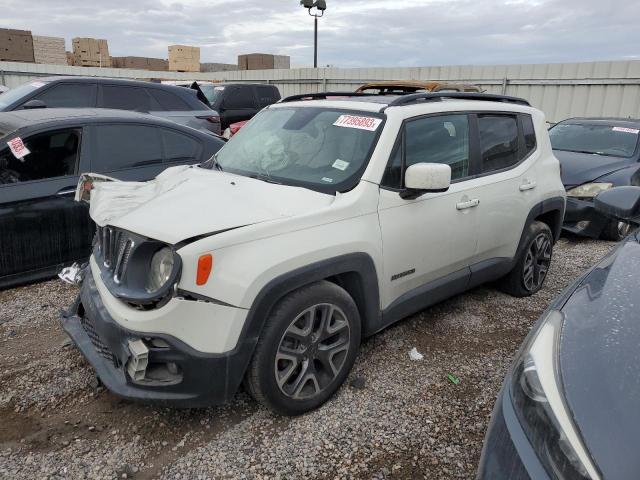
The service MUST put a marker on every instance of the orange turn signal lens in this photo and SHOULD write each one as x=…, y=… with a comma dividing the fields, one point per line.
x=205, y=265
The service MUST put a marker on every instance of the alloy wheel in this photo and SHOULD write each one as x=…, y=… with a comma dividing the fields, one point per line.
x=312, y=351
x=537, y=261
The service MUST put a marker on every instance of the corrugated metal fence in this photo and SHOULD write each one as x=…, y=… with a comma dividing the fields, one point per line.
x=561, y=90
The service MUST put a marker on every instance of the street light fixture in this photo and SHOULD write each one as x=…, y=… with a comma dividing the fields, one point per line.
x=320, y=6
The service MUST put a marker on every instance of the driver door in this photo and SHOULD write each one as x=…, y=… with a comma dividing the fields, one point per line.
x=433, y=237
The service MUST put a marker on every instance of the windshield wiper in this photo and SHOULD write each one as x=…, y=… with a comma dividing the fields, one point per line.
x=264, y=178
x=212, y=162
x=580, y=151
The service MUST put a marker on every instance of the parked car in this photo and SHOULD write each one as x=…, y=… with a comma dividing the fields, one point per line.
x=391, y=87
x=232, y=129
x=177, y=104
x=41, y=227
x=325, y=222
x=3, y=89
x=568, y=408
x=596, y=154
x=239, y=101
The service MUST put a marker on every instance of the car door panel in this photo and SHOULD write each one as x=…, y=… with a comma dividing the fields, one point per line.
x=435, y=235
x=41, y=226
x=425, y=239
x=507, y=186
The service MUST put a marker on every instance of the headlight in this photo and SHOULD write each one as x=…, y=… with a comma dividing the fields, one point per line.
x=539, y=403
x=160, y=270
x=589, y=190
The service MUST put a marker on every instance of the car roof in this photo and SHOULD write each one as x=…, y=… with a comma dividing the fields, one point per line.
x=615, y=121
x=379, y=103
x=425, y=84
x=112, y=80
x=15, y=120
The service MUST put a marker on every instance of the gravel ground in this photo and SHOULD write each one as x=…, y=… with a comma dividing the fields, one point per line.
x=394, y=418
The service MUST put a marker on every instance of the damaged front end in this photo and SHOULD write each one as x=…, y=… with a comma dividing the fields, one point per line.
x=148, y=367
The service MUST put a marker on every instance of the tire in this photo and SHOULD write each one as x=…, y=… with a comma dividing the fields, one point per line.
x=301, y=359
x=530, y=271
x=615, y=230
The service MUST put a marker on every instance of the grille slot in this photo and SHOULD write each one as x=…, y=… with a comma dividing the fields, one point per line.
x=115, y=248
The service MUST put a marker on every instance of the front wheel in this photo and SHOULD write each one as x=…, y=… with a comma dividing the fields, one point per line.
x=530, y=271
x=306, y=350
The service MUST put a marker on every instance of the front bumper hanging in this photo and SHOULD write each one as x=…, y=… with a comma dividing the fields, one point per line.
x=148, y=366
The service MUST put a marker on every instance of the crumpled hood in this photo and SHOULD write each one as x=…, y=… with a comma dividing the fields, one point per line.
x=579, y=168
x=185, y=202
x=600, y=360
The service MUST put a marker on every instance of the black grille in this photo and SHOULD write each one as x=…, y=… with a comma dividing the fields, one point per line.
x=115, y=248
x=98, y=344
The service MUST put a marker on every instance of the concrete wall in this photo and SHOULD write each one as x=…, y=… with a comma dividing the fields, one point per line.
x=560, y=90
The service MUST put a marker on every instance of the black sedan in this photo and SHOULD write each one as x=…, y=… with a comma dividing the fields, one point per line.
x=596, y=154
x=568, y=408
x=45, y=150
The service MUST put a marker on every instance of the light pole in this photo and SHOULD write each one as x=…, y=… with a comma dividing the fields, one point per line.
x=320, y=6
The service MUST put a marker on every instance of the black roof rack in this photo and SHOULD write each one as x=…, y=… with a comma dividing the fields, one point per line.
x=438, y=96
x=324, y=95
x=412, y=98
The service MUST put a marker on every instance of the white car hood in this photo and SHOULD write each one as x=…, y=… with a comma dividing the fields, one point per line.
x=185, y=202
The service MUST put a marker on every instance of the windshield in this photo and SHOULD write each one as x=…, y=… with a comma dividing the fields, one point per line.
x=212, y=92
x=318, y=148
x=17, y=93
x=594, y=138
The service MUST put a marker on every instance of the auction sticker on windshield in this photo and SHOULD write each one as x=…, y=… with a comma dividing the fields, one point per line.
x=626, y=130
x=18, y=148
x=361, y=123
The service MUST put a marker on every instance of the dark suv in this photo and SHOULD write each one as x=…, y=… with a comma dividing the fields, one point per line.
x=177, y=104
x=239, y=101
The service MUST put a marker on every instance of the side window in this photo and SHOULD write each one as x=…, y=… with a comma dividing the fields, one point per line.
x=123, y=146
x=69, y=95
x=239, y=98
x=266, y=95
x=393, y=173
x=178, y=146
x=53, y=154
x=169, y=101
x=126, y=98
x=529, y=135
x=439, y=139
x=498, y=141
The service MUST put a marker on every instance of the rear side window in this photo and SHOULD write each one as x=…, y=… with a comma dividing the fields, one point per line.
x=117, y=147
x=178, y=146
x=169, y=101
x=53, y=154
x=267, y=95
x=69, y=95
x=498, y=141
x=529, y=134
x=126, y=98
x=239, y=98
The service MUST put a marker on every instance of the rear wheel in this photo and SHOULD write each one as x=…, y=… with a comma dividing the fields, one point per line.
x=530, y=271
x=307, y=349
x=616, y=230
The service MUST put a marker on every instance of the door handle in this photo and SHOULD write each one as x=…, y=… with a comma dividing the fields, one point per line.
x=67, y=191
x=527, y=186
x=468, y=204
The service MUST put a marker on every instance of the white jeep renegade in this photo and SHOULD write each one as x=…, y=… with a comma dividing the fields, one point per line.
x=324, y=220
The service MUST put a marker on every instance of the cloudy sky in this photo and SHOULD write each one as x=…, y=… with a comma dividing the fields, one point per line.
x=353, y=33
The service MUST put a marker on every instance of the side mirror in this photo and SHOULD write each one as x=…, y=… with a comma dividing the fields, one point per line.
x=422, y=178
x=32, y=104
x=622, y=203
